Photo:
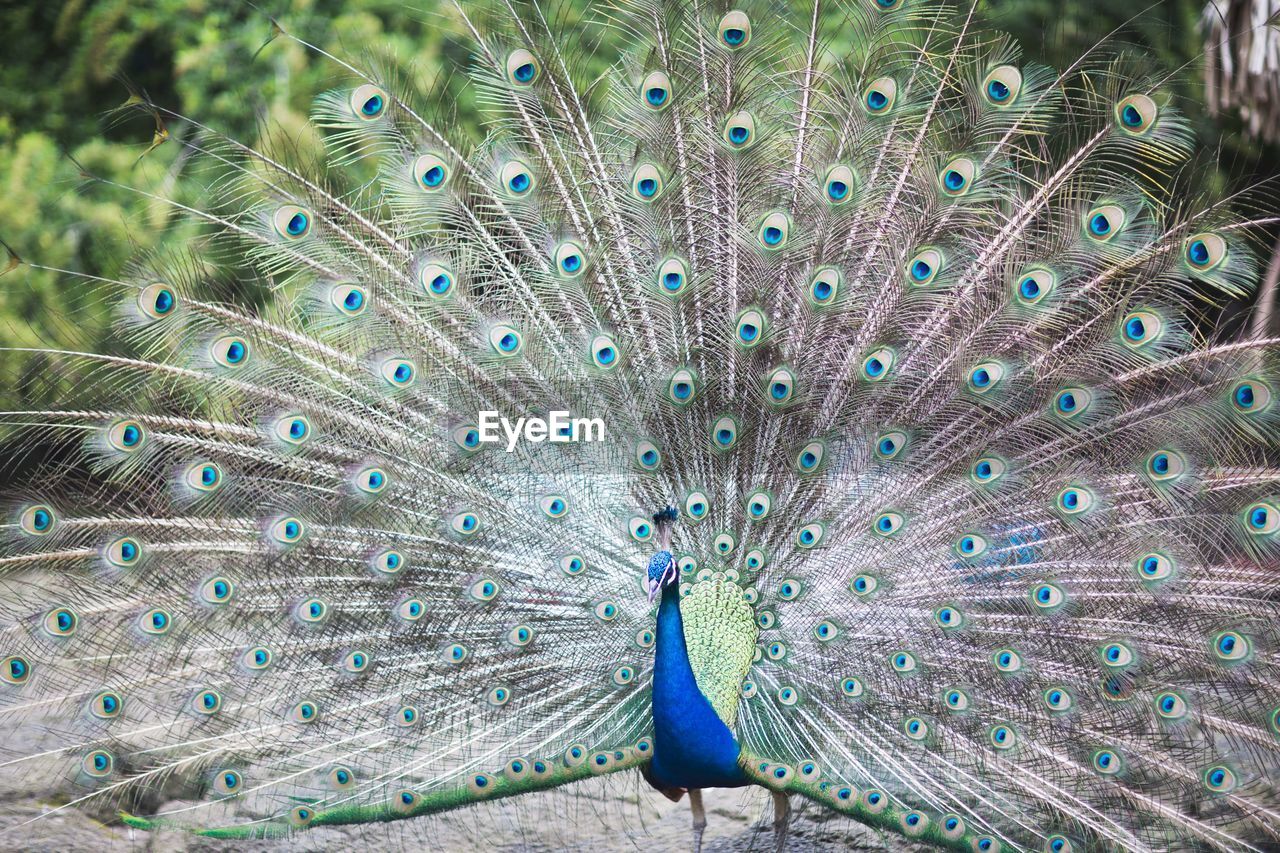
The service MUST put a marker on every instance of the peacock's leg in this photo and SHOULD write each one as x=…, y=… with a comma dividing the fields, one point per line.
x=699, y=818
x=781, y=817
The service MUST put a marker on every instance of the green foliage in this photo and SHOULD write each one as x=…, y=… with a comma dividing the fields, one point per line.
x=1168, y=35
x=67, y=65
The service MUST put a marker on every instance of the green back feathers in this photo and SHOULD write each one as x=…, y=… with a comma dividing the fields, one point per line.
x=720, y=634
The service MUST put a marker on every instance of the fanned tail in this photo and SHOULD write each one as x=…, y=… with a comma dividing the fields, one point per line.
x=918, y=337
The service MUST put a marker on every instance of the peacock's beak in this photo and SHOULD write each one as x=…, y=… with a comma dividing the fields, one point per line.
x=654, y=587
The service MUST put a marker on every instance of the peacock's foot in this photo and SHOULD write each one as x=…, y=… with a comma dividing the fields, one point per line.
x=699, y=818
x=781, y=818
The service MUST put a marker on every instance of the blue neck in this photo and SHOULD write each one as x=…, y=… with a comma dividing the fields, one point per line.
x=692, y=747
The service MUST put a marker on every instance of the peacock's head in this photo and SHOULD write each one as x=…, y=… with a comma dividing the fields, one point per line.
x=662, y=571
x=662, y=566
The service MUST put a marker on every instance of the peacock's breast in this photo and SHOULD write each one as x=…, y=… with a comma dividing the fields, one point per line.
x=705, y=644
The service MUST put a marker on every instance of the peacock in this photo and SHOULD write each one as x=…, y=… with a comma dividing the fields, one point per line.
x=876, y=439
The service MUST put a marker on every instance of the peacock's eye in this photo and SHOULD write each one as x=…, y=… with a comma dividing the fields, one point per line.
x=570, y=259
x=605, y=353
x=735, y=29
x=750, y=328
x=38, y=520
x=646, y=182
x=1033, y=286
x=924, y=267
x=292, y=222
x=1071, y=403
x=437, y=280
x=839, y=184
x=1136, y=114
x=774, y=231
x=516, y=178
x=810, y=535
x=739, y=131
x=398, y=372
x=1002, y=85
x=522, y=68
x=1251, y=396
x=156, y=301
x=887, y=523
x=878, y=364
x=956, y=178
x=430, y=173
x=368, y=102
x=1104, y=222
x=230, y=351
x=655, y=91
x=506, y=340
x=879, y=97
x=1205, y=252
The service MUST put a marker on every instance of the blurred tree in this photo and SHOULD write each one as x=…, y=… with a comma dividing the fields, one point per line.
x=68, y=64
x=1242, y=78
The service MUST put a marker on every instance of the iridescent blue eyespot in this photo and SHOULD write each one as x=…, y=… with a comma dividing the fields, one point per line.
x=879, y=96
x=1205, y=252
x=15, y=670
x=157, y=300
x=1198, y=253
x=1136, y=114
x=522, y=68
x=735, y=29
x=1251, y=397
x=368, y=102
x=839, y=184
x=37, y=520
x=398, y=372
x=656, y=90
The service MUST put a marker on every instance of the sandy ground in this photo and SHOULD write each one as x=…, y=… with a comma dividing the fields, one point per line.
x=589, y=816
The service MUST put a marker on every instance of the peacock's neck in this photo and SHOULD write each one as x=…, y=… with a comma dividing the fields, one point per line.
x=693, y=748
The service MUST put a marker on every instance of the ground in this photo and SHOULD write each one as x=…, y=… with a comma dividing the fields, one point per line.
x=583, y=817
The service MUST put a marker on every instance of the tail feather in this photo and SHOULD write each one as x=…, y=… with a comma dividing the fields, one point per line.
x=916, y=337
